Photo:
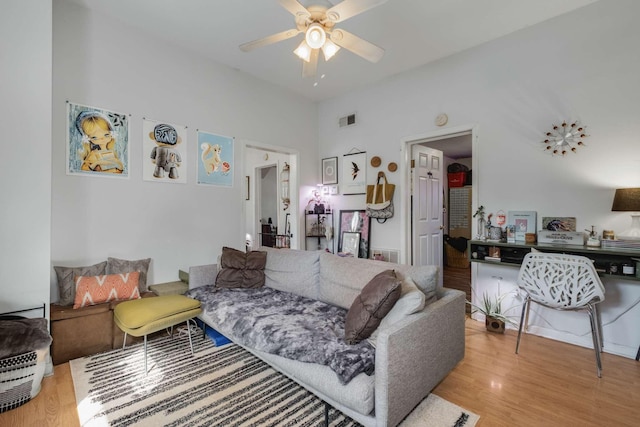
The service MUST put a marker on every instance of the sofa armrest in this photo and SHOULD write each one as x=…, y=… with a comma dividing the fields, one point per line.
x=202, y=275
x=414, y=355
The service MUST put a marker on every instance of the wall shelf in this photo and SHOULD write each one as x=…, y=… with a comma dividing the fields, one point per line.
x=608, y=262
x=315, y=227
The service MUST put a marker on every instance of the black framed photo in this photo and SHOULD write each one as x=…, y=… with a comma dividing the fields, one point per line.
x=330, y=171
x=355, y=221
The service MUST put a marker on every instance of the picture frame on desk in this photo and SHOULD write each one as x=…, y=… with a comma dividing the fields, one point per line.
x=524, y=222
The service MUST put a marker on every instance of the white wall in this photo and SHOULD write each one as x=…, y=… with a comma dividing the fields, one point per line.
x=513, y=89
x=103, y=63
x=582, y=66
x=25, y=108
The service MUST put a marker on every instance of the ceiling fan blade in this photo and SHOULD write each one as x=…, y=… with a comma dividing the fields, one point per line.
x=348, y=8
x=309, y=68
x=355, y=44
x=274, y=38
x=295, y=8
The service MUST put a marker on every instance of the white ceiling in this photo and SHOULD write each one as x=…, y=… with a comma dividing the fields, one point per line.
x=413, y=33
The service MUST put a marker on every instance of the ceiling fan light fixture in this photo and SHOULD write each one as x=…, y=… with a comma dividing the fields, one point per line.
x=329, y=49
x=303, y=51
x=315, y=36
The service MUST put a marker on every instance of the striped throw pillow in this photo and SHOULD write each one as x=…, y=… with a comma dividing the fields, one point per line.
x=91, y=290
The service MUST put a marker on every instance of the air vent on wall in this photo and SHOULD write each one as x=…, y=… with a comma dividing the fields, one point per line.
x=349, y=120
x=389, y=255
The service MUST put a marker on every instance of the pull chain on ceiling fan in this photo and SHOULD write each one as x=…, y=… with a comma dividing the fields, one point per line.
x=317, y=23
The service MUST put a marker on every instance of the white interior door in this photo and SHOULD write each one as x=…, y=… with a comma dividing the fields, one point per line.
x=427, y=209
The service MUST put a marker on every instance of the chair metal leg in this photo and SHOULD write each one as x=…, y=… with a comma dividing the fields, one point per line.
x=525, y=309
x=526, y=319
x=189, y=333
x=145, y=355
x=596, y=338
x=599, y=323
x=124, y=341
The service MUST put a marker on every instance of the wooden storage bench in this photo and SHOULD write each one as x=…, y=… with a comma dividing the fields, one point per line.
x=85, y=331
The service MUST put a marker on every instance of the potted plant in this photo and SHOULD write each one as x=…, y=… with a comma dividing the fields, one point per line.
x=491, y=307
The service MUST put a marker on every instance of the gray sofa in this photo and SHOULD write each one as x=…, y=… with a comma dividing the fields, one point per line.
x=412, y=356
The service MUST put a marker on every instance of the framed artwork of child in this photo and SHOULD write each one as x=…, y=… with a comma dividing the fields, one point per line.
x=97, y=142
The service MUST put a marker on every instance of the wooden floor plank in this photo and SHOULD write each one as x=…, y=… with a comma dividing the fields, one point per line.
x=549, y=383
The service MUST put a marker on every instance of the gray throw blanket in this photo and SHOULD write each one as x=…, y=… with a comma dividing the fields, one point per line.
x=18, y=336
x=288, y=325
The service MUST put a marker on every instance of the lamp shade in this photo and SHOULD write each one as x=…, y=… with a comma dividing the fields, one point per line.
x=315, y=36
x=303, y=51
x=626, y=200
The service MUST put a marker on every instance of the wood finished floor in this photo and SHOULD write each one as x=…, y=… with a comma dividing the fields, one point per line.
x=458, y=278
x=549, y=383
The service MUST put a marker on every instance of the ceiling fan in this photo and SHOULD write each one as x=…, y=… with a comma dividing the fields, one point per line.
x=318, y=24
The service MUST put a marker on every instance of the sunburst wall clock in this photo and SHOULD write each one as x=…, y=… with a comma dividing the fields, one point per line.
x=565, y=138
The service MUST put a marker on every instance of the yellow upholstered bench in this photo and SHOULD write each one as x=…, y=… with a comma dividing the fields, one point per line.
x=141, y=317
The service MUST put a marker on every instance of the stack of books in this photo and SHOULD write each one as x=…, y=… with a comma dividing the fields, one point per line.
x=621, y=244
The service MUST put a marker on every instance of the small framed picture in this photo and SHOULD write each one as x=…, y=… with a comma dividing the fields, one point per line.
x=351, y=243
x=524, y=221
x=330, y=171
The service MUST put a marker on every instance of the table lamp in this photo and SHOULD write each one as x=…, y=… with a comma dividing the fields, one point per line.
x=628, y=200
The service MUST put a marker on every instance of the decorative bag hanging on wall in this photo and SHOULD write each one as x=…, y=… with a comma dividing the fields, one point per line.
x=380, y=199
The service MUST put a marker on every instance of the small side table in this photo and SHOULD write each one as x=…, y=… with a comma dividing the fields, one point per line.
x=170, y=288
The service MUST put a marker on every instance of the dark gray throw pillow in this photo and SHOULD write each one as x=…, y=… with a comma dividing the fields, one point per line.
x=117, y=266
x=369, y=308
x=240, y=269
x=67, y=276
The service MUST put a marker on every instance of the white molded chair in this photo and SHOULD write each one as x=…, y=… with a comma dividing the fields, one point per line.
x=562, y=282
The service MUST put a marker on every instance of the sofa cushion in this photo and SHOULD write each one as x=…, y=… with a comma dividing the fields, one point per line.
x=425, y=277
x=412, y=300
x=357, y=395
x=291, y=270
x=66, y=279
x=374, y=302
x=92, y=290
x=116, y=266
x=240, y=269
x=342, y=278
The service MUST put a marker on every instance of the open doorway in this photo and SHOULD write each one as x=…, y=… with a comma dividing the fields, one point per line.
x=267, y=204
x=265, y=196
x=455, y=201
x=457, y=215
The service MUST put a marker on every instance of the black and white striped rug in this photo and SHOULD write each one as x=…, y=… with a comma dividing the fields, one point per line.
x=220, y=386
